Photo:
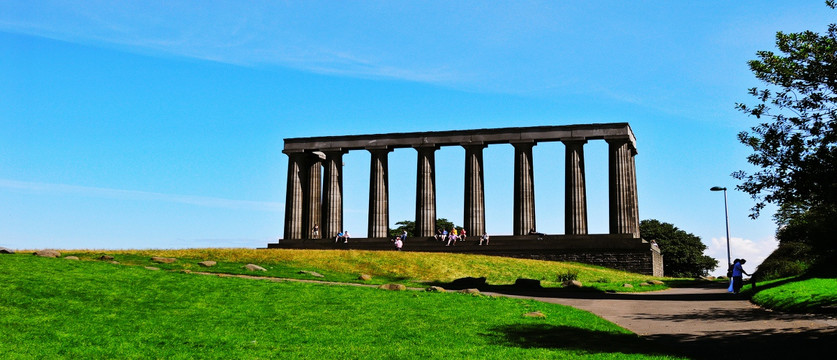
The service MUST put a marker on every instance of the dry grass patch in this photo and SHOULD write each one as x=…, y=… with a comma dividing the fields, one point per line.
x=410, y=267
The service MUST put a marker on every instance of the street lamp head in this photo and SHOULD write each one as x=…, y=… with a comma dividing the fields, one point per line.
x=718, y=188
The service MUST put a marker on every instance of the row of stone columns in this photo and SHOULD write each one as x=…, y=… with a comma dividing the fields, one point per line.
x=308, y=203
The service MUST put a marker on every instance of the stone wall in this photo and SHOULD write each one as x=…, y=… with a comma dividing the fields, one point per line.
x=647, y=262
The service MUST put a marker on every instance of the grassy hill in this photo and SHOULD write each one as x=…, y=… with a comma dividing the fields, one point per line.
x=409, y=268
x=59, y=308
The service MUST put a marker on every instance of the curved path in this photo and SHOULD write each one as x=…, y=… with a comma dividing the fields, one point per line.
x=708, y=323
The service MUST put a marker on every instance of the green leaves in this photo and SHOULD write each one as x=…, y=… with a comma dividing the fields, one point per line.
x=796, y=145
x=682, y=251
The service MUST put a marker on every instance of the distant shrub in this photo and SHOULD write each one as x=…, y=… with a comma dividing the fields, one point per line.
x=569, y=275
x=603, y=280
x=789, y=259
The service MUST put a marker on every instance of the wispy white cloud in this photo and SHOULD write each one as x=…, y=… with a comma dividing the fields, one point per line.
x=300, y=36
x=120, y=194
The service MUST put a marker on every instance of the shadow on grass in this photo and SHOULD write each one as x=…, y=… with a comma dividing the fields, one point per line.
x=571, y=339
x=744, y=344
x=588, y=293
x=750, y=344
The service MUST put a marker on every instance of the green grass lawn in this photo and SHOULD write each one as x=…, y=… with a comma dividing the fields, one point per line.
x=802, y=295
x=58, y=308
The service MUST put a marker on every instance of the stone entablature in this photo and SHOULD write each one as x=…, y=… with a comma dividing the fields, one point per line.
x=315, y=178
x=464, y=137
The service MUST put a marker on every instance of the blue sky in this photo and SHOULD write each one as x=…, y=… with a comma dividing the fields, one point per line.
x=144, y=124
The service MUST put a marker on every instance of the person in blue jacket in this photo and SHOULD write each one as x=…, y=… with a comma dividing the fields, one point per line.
x=737, y=278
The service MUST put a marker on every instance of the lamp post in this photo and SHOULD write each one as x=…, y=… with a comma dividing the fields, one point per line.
x=726, y=215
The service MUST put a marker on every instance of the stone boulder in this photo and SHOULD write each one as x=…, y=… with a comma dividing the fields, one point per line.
x=471, y=291
x=527, y=283
x=626, y=285
x=71, y=257
x=535, y=314
x=312, y=273
x=254, y=267
x=47, y=253
x=656, y=282
x=6, y=250
x=393, y=287
x=152, y=268
x=207, y=263
x=365, y=277
x=162, y=260
x=435, y=289
x=572, y=284
x=468, y=282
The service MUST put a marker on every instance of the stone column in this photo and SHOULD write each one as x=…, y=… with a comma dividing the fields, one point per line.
x=426, y=190
x=474, y=217
x=378, y=193
x=575, y=198
x=524, y=188
x=294, y=196
x=313, y=196
x=634, y=192
x=624, y=209
x=332, y=193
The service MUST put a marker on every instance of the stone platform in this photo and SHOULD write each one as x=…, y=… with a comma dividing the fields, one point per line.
x=621, y=252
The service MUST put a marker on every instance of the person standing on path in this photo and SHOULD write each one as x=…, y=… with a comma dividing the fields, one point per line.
x=737, y=278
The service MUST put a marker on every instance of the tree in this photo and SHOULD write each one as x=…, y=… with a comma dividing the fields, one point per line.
x=442, y=224
x=796, y=146
x=682, y=252
x=410, y=227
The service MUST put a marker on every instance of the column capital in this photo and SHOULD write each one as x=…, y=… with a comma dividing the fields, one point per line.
x=420, y=147
x=574, y=140
x=618, y=140
x=293, y=152
x=330, y=151
x=523, y=143
x=379, y=149
x=318, y=154
x=474, y=145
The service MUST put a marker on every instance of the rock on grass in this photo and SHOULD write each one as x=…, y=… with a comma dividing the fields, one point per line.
x=312, y=273
x=571, y=284
x=254, y=267
x=163, y=260
x=47, y=253
x=393, y=287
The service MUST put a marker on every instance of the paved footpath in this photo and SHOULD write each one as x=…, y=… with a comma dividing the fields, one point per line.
x=709, y=323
